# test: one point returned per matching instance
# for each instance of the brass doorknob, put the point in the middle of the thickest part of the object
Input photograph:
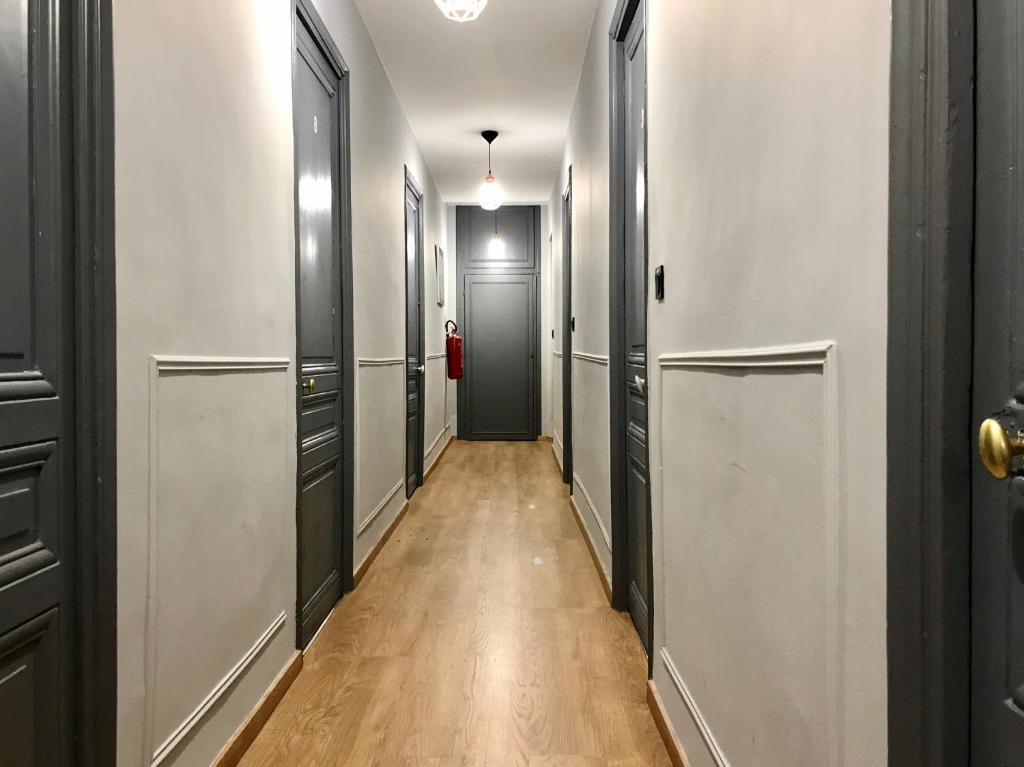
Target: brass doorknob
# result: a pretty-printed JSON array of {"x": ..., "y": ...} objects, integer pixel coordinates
[
  {"x": 998, "y": 448},
  {"x": 309, "y": 385}
]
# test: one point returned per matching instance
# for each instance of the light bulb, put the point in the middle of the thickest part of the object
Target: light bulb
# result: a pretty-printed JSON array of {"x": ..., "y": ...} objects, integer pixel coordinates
[
  {"x": 491, "y": 195},
  {"x": 496, "y": 248}
]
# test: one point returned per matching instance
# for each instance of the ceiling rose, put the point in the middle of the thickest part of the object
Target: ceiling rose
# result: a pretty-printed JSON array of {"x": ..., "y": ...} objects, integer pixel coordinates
[{"x": 461, "y": 10}]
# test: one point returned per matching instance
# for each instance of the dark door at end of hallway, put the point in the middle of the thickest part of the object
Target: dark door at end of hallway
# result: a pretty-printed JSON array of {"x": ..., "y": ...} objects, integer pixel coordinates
[
  {"x": 415, "y": 366},
  {"x": 318, "y": 121},
  {"x": 637, "y": 493},
  {"x": 997, "y": 515},
  {"x": 497, "y": 256}
]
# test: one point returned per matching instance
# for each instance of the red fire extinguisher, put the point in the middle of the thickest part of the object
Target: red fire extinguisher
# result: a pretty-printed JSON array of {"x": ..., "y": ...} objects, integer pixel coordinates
[{"x": 453, "y": 348}]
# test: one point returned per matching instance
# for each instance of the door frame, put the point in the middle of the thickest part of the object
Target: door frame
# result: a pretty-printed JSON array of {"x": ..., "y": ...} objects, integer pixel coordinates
[
  {"x": 622, "y": 19},
  {"x": 412, "y": 186},
  {"x": 462, "y": 258},
  {"x": 304, "y": 12},
  {"x": 567, "y": 331},
  {"x": 929, "y": 429},
  {"x": 92, "y": 140}
]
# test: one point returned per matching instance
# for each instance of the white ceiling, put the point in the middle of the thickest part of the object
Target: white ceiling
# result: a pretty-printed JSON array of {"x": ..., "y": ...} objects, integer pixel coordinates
[{"x": 515, "y": 69}]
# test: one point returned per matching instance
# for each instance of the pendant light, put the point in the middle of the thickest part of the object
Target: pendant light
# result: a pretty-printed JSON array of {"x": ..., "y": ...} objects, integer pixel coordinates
[
  {"x": 491, "y": 194},
  {"x": 461, "y": 10},
  {"x": 496, "y": 247}
]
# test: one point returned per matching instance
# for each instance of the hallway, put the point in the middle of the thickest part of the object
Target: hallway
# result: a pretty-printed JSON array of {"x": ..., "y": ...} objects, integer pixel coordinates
[{"x": 480, "y": 635}]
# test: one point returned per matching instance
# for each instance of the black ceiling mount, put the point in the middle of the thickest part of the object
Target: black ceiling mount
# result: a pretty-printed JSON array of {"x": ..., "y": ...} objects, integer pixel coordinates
[{"x": 489, "y": 135}]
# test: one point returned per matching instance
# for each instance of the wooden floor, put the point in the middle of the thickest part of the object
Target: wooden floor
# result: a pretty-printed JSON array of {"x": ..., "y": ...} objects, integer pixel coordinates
[{"x": 480, "y": 636}]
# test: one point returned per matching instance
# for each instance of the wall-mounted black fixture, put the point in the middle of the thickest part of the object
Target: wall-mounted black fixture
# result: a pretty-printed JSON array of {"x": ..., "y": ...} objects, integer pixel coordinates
[
  {"x": 659, "y": 283},
  {"x": 572, "y": 324}
]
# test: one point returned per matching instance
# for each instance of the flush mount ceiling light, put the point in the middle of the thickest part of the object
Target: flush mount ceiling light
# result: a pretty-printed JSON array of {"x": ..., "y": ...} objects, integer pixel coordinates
[
  {"x": 491, "y": 194},
  {"x": 461, "y": 10}
]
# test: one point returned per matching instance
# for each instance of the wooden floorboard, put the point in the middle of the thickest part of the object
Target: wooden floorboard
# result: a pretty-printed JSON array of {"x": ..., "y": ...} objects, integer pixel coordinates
[{"x": 480, "y": 635}]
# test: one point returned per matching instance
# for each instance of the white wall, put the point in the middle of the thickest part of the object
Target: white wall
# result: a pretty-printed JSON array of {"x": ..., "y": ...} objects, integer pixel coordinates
[
  {"x": 205, "y": 243},
  {"x": 767, "y": 204},
  {"x": 587, "y": 153}
]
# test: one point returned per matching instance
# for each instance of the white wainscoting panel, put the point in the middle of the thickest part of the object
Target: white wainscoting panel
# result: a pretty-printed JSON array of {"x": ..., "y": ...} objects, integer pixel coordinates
[
  {"x": 593, "y": 510},
  {"x": 221, "y": 506},
  {"x": 379, "y": 507},
  {"x": 380, "y": 445},
  {"x": 752, "y": 551}
]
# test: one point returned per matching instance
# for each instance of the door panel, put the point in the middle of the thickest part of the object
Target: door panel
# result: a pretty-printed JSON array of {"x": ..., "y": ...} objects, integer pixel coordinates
[
  {"x": 317, "y": 148},
  {"x": 997, "y": 580},
  {"x": 414, "y": 354},
  {"x": 567, "y": 331},
  {"x": 519, "y": 226},
  {"x": 37, "y": 416},
  {"x": 500, "y": 315},
  {"x": 635, "y": 311}
]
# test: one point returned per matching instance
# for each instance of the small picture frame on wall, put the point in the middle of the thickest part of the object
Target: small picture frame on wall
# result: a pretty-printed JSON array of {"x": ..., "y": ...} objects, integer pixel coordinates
[{"x": 439, "y": 270}]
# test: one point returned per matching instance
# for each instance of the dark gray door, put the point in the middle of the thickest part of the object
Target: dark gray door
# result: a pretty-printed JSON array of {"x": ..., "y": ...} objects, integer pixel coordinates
[
  {"x": 38, "y": 497},
  {"x": 635, "y": 316},
  {"x": 499, "y": 397},
  {"x": 500, "y": 325},
  {"x": 318, "y": 120},
  {"x": 567, "y": 330},
  {"x": 415, "y": 366},
  {"x": 997, "y": 582}
]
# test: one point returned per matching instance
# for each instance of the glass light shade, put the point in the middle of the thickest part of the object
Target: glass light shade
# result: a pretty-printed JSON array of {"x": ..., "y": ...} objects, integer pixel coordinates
[
  {"x": 496, "y": 248},
  {"x": 491, "y": 195},
  {"x": 461, "y": 10}
]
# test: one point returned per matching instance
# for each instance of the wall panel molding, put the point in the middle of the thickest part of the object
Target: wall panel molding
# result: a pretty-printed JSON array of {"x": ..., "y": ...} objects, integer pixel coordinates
[
  {"x": 160, "y": 366},
  {"x": 365, "y": 524},
  {"x": 698, "y": 718},
  {"x": 438, "y": 438},
  {"x": 597, "y": 359},
  {"x": 168, "y": 746},
  {"x": 593, "y": 510},
  {"x": 376, "y": 362},
  {"x": 556, "y": 353},
  {"x": 818, "y": 356},
  {"x": 438, "y": 356}
]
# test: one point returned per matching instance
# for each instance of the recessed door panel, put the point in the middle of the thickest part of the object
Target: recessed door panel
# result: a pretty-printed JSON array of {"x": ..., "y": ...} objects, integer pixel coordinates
[
  {"x": 29, "y": 684},
  {"x": 518, "y": 226}
]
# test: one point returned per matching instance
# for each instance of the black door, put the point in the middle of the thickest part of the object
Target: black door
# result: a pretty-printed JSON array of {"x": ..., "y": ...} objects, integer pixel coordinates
[
  {"x": 997, "y": 582},
  {"x": 567, "y": 330},
  {"x": 40, "y": 647},
  {"x": 634, "y": 314},
  {"x": 499, "y": 394},
  {"x": 415, "y": 366},
  {"x": 318, "y": 122}
]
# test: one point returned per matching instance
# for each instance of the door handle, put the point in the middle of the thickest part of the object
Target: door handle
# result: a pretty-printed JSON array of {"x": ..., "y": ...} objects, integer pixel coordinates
[
  {"x": 640, "y": 383},
  {"x": 999, "y": 445},
  {"x": 309, "y": 386},
  {"x": 421, "y": 369}
]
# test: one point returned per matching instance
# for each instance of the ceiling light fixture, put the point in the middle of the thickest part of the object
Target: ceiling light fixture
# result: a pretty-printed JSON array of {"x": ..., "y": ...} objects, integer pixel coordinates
[
  {"x": 461, "y": 10},
  {"x": 491, "y": 194}
]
